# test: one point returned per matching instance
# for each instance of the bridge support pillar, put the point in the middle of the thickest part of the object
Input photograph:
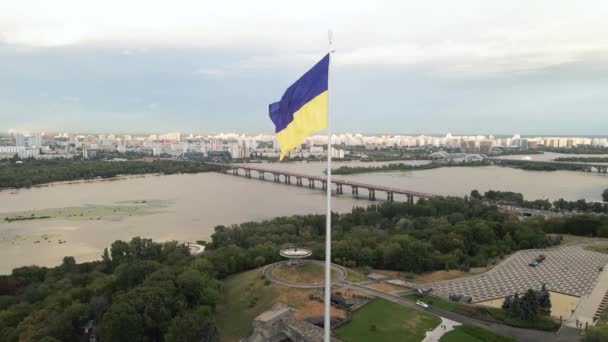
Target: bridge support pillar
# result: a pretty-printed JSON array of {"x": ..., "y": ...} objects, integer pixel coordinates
[
  {"x": 299, "y": 181},
  {"x": 339, "y": 189},
  {"x": 389, "y": 196},
  {"x": 287, "y": 179},
  {"x": 355, "y": 191},
  {"x": 247, "y": 173},
  {"x": 276, "y": 178},
  {"x": 372, "y": 194},
  {"x": 311, "y": 183},
  {"x": 410, "y": 199},
  {"x": 324, "y": 185},
  {"x": 261, "y": 175},
  {"x": 235, "y": 172}
]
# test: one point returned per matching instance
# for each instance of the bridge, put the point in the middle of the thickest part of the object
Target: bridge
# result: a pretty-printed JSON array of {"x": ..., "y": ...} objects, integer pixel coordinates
[
  {"x": 298, "y": 179},
  {"x": 577, "y": 166},
  {"x": 313, "y": 182}
]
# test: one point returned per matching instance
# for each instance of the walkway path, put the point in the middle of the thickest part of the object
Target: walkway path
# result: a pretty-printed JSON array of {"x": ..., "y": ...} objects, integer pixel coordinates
[
  {"x": 446, "y": 326},
  {"x": 590, "y": 303}
]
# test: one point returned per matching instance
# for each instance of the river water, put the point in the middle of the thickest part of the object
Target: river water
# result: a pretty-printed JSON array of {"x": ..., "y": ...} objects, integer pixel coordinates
[{"x": 192, "y": 205}]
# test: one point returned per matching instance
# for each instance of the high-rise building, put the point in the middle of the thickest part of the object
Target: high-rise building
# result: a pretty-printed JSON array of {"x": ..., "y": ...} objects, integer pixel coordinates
[
  {"x": 485, "y": 146},
  {"x": 19, "y": 139},
  {"x": 34, "y": 141}
]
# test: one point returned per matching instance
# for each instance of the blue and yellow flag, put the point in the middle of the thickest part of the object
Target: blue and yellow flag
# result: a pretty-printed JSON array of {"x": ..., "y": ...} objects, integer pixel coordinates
[{"x": 302, "y": 110}]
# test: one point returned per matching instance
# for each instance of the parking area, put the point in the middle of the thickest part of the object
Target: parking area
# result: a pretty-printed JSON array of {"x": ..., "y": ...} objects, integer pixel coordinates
[{"x": 568, "y": 269}]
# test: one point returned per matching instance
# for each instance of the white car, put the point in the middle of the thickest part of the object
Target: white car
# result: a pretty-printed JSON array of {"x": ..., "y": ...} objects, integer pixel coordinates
[{"x": 423, "y": 304}]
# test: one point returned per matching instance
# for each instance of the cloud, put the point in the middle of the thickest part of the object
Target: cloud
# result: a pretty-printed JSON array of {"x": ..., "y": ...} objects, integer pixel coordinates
[
  {"x": 70, "y": 99},
  {"x": 210, "y": 72}
]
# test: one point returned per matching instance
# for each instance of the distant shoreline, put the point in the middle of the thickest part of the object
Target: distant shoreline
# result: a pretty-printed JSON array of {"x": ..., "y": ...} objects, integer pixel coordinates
[{"x": 81, "y": 181}]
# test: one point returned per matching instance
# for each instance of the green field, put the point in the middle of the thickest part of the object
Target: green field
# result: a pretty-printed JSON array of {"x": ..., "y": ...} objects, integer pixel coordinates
[
  {"x": 308, "y": 273},
  {"x": 468, "y": 333},
  {"x": 492, "y": 315},
  {"x": 90, "y": 212},
  {"x": 382, "y": 320},
  {"x": 598, "y": 248},
  {"x": 245, "y": 296},
  {"x": 355, "y": 275}
]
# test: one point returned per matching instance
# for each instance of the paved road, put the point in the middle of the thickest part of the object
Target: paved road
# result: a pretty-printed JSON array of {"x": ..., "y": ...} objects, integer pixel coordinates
[{"x": 566, "y": 334}]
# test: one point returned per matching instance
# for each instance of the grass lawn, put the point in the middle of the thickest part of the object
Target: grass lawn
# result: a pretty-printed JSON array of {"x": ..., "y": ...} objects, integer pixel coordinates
[
  {"x": 245, "y": 296},
  {"x": 434, "y": 276},
  {"x": 384, "y": 321},
  {"x": 308, "y": 273},
  {"x": 429, "y": 277},
  {"x": 567, "y": 238},
  {"x": 387, "y": 287},
  {"x": 598, "y": 248},
  {"x": 355, "y": 276},
  {"x": 469, "y": 333},
  {"x": 492, "y": 315}
]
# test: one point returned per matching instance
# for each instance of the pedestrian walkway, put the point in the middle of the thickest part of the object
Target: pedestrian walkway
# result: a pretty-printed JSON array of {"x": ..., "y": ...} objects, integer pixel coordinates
[
  {"x": 588, "y": 306},
  {"x": 446, "y": 325}
]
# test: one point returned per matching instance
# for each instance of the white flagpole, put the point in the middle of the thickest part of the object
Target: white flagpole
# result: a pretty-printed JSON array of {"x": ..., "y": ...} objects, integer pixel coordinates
[{"x": 327, "y": 322}]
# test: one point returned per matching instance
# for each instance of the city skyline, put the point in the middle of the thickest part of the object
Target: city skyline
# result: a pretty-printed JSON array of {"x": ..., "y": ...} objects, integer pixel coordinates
[{"x": 518, "y": 68}]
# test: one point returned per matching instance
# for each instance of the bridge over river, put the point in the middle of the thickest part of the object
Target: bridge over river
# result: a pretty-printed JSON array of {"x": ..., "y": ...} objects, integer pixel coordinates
[{"x": 312, "y": 182}]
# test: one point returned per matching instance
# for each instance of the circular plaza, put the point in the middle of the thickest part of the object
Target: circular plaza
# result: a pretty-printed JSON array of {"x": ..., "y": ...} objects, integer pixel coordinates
[{"x": 300, "y": 273}]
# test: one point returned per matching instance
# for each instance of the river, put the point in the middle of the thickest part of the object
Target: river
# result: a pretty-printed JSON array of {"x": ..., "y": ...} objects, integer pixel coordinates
[{"x": 88, "y": 216}]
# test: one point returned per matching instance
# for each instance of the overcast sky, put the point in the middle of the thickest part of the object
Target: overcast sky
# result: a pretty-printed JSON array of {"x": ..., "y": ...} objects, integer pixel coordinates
[{"x": 519, "y": 66}]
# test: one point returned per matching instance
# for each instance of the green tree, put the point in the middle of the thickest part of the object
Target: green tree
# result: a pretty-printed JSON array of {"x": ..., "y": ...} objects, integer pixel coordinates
[
  {"x": 122, "y": 323},
  {"x": 529, "y": 305},
  {"x": 194, "y": 326},
  {"x": 596, "y": 334}
]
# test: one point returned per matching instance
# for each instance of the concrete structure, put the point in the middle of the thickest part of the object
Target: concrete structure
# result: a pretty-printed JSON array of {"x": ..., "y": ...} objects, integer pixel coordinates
[
  {"x": 279, "y": 324},
  {"x": 591, "y": 306},
  {"x": 569, "y": 270},
  {"x": 444, "y": 327},
  {"x": 195, "y": 248},
  {"x": 410, "y": 196},
  {"x": 297, "y": 178},
  {"x": 339, "y": 274},
  {"x": 295, "y": 255}
]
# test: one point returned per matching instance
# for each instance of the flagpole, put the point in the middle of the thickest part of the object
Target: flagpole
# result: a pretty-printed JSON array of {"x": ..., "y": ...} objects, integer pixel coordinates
[{"x": 327, "y": 322}]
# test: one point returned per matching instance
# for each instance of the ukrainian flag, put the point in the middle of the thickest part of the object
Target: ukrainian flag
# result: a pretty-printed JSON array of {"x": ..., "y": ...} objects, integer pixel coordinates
[{"x": 302, "y": 109}]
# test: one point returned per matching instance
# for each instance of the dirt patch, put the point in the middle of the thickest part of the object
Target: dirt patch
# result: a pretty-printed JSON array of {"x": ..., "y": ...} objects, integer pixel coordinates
[
  {"x": 386, "y": 287},
  {"x": 566, "y": 238},
  {"x": 296, "y": 298},
  {"x": 316, "y": 309},
  {"x": 434, "y": 276},
  {"x": 348, "y": 293}
]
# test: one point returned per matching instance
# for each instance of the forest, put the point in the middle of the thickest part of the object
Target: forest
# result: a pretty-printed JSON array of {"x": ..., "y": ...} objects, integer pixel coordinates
[
  {"x": 148, "y": 291},
  {"x": 582, "y": 149},
  {"x": 432, "y": 234},
  {"x": 139, "y": 291},
  {"x": 583, "y": 159},
  {"x": 349, "y": 170},
  {"x": 517, "y": 199},
  {"x": 35, "y": 172}
]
